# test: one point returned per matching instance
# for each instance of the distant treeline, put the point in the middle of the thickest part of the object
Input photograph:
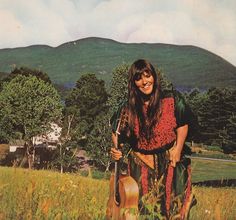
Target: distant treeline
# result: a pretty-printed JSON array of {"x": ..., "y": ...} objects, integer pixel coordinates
[{"x": 215, "y": 112}]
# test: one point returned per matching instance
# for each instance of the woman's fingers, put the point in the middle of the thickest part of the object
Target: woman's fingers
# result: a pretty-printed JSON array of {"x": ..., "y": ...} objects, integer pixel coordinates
[
  {"x": 116, "y": 154},
  {"x": 173, "y": 163},
  {"x": 174, "y": 156}
]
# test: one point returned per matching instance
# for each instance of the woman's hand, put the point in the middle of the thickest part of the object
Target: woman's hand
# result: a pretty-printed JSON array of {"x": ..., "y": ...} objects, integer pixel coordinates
[
  {"x": 175, "y": 154},
  {"x": 115, "y": 154},
  {"x": 175, "y": 151}
]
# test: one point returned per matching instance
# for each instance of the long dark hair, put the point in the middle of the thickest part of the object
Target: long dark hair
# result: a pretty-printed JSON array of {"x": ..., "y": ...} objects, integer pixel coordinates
[{"x": 136, "y": 99}]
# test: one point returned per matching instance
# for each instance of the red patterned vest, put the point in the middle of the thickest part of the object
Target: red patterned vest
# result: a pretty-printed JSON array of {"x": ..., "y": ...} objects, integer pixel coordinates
[{"x": 164, "y": 131}]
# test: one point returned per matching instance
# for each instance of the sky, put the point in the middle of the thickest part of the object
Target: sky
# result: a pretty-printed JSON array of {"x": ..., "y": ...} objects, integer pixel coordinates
[{"x": 209, "y": 24}]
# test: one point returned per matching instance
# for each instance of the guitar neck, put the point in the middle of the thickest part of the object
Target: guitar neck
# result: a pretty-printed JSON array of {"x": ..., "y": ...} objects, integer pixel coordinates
[
  {"x": 121, "y": 124},
  {"x": 116, "y": 178}
]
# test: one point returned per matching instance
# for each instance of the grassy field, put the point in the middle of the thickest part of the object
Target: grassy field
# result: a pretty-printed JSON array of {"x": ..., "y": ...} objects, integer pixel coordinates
[
  {"x": 204, "y": 170},
  {"x": 26, "y": 194},
  {"x": 33, "y": 194},
  {"x": 214, "y": 204}
]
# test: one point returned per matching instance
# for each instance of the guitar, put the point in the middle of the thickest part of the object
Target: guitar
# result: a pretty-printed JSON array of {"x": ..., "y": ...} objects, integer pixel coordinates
[{"x": 124, "y": 193}]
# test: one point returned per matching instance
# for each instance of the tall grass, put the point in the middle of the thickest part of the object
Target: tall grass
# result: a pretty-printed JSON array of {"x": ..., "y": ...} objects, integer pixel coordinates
[
  {"x": 31, "y": 194},
  {"x": 214, "y": 204},
  {"x": 26, "y": 194}
]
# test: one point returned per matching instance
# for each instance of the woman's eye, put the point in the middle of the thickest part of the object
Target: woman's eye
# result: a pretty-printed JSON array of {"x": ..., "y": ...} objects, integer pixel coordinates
[
  {"x": 147, "y": 75},
  {"x": 137, "y": 77}
]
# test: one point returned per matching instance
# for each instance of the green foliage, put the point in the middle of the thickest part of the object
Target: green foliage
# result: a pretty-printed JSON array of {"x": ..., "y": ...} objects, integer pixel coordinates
[
  {"x": 229, "y": 136},
  {"x": 62, "y": 90},
  {"x": 64, "y": 158},
  {"x": 119, "y": 87},
  {"x": 215, "y": 111},
  {"x": 86, "y": 121},
  {"x": 25, "y": 71},
  {"x": 90, "y": 96},
  {"x": 214, "y": 114},
  {"x": 99, "y": 142},
  {"x": 85, "y": 102},
  {"x": 3, "y": 75},
  {"x": 27, "y": 106},
  {"x": 95, "y": 174},
  {"x": 185, "y": 66}
]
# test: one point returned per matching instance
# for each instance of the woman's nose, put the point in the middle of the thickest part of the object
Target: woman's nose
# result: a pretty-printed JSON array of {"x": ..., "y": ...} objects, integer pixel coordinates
[{"x": 144, "y": 79}]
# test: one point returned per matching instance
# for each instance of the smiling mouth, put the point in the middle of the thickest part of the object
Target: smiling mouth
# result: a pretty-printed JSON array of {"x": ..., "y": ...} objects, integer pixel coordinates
[{"x": 147, "y": 86}]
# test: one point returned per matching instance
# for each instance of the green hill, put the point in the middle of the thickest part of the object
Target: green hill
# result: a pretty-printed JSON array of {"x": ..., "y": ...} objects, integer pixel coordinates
[
  {"x": 3, "y": 75},
  {"x": 185, "y": 66}
]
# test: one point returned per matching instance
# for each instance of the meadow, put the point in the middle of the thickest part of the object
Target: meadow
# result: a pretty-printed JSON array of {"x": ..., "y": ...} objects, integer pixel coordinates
[
  {"x": 41, "y": 194},
  {"x": 206, "y": 170}
]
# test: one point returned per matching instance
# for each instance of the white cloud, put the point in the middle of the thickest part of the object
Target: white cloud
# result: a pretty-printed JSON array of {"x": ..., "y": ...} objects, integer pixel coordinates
[
  {"x": 34, "y": 23},
  {"x": 209, "y": 24},
  {"x": 9, "y": 29}
]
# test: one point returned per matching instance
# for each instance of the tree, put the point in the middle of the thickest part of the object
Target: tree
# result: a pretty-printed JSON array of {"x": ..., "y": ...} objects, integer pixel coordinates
[
  {"x": 99, "y": 138},
  {"x": 119, "y": 87},
  {"x": 196, "y": 100},
  {"x": 86, "y": 101},
  {"x": 229, "y": 136},
  {"x": 27, "y": 107},
  {"x": 64, "y": 157},
  {"x": 25, "y": 71},
  {"x": 228, "y": 133},
  {"x": 99, "y": 142},
  {"x": 214, "y": 109}
]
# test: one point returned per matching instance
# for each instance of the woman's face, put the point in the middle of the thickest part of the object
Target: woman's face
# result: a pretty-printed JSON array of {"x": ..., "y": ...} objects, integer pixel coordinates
[{"x": 145, "y": 83}]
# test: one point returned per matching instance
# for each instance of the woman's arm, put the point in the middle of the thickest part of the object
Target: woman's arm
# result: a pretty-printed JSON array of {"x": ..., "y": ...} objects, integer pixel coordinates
[{"x": 175, "y": 151}]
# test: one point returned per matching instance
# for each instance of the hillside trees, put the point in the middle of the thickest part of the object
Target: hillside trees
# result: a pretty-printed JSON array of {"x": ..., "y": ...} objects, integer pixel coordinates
[
  {"x": 100, "y": 135},
  {"x": 25, "y": 71},
  {"x": 215, "y": 110},
  {"x": 119, "y": 87},
  {"x": 85, "y": 115},
  {"x": 228, "y": 135},
  {"x": 89, "y": 109},
  {"x": 196, "y": 100},
  {"x": 99, "y": 142},
  {"x": 27, "y": 107},
  {"x": 86, "y": 101}
]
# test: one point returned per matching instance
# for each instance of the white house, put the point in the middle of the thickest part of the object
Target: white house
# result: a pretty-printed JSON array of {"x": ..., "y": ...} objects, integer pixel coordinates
[
  {"x": 16, "y": 144},
  {"x": 50, "y": 139}
]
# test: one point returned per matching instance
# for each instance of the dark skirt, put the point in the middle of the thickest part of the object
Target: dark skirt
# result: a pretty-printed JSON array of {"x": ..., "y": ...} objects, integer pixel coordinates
[{"x": 165, "y": 191}]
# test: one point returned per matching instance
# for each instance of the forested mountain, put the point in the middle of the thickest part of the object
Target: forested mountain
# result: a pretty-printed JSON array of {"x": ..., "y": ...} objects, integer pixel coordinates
[
  {"x": 185, "y": 66},
  {"x": 3, "y": 75}
]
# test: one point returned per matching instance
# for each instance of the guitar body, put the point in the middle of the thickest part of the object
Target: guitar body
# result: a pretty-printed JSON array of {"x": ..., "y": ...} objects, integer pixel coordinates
[
  {"x": 127, "y": 209},
  {"x": 124, "y": 192}
]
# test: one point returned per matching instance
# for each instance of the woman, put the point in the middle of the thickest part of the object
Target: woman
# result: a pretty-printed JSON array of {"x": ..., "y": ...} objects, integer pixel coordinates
[{"x": 157, "y": 127}]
